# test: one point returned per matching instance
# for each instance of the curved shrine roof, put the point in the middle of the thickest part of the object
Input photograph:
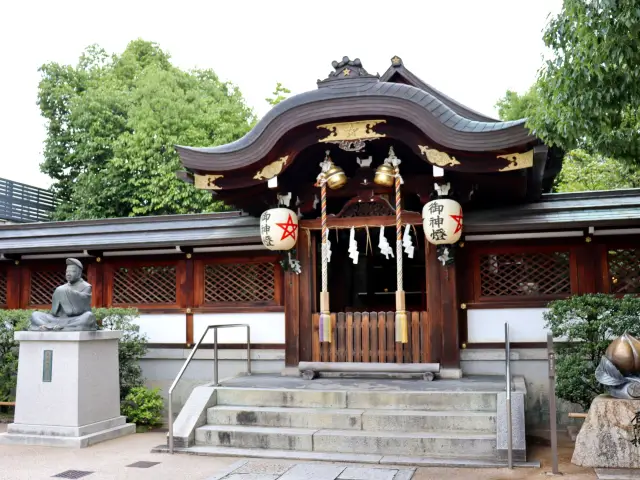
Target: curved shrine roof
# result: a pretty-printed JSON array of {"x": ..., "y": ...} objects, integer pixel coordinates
[{"x": 350, "y": 91}]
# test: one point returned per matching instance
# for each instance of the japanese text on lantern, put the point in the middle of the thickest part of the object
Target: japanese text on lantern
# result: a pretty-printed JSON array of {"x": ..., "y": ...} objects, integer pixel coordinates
[
  {"x": 436, "y": 221},
  {"x": 265, "y": 229}
]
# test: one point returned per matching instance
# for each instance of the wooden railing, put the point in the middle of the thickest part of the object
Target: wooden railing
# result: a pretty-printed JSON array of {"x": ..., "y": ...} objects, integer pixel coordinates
[{"x": 370, "y": 337}]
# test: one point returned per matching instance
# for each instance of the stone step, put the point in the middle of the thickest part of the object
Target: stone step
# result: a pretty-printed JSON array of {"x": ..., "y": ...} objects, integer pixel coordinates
[
  {"x": 428, "y": 421},
  {"x": 353, "y": 419},
  {"x": 300, "y": 439},
  {"x": 359, "y": 399},
  {"x": 288, "y": 417},
  {"x": 447, "y": 444},
  {"x": 458, "y": 444},
  {"x": 432, "y": 461}
]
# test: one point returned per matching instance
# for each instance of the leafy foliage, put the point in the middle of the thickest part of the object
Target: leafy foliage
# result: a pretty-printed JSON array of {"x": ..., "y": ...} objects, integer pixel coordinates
[
  {"x": 279, "y": 94},
  {"x": 132, "y": 346},
  {"x": 113, "y": 121},
  {"x": 143, "y": 406},
  {"x": 514, "y": 106},
  {"x": 587, "y": 325},
  {"x": 589, "y": 90},
  {"x": 581, "y": 171},
  {"x": 11, "y": 321}
]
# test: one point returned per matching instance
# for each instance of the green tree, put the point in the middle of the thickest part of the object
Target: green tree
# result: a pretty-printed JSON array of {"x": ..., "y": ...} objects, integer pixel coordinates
[
  {"x": 581, "y": 171},
  {"x": 589, "y": 89},
  {"x": 514, "y": 106},
  {"x": 279, "y": 94},
  {"x": 113, "y": 121}
]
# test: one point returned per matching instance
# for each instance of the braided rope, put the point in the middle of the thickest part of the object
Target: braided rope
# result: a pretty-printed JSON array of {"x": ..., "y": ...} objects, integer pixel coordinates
[
  {"x": 323, "y": 216},
  {"x": 398, "y": 232}
]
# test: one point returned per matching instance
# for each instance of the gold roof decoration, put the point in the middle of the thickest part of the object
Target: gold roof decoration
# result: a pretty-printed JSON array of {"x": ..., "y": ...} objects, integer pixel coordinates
[
  {"x": 271, "y": 170},
  {"x": 206, "y": 182},
  {"x": 349, "y": 131},
  {"x": 436, "y": 157},
  {"x": 517, "y": 161}
]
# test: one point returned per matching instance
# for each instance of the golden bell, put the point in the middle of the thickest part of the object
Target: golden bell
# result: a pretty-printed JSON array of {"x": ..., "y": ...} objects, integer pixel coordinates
[
  {"x": 385, "y": 175},
  {"x": 624, "y": 354},
  {"x": 336, "y": 177}
]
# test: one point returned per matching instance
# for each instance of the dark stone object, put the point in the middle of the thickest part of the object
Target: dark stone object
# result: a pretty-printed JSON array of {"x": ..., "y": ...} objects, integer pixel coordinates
[{"x": 70, "y": 306}]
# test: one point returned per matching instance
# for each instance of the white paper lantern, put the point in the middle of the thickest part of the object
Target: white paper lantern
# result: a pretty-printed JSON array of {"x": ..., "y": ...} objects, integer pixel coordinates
[
  {"x": 279, "y": 229},
  {"x": 442, "y": 221}
]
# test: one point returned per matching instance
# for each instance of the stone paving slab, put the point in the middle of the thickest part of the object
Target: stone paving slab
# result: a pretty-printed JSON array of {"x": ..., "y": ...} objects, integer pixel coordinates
[
  {"x": 282, "y": 470},
  {"x": 358, "y": 473},
  {"x": 617, "y": 473}
]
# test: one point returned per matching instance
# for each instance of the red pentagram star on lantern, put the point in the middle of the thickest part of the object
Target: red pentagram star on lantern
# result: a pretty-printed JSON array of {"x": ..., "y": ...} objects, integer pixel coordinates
[
  {"x": 288, "y": 229},
  {"x": 458, "y": 220}
]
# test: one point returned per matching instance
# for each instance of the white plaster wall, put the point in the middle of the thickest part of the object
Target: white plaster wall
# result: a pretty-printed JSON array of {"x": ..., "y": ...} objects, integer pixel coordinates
[
  {"x": 265, "y": 327},
  {"x": 487, "y": 325},
  {"x": 163, "y": 328}
]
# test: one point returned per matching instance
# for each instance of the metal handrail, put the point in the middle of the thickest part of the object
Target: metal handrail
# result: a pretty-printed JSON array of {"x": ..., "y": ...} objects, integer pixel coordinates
[
  {"x": 507, "y": 352},
  {"x": 215, "y": 366}
]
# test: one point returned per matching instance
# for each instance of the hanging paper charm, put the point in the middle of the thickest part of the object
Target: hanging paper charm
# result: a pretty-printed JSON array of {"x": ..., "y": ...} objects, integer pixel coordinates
[
  {"x": 384, "y": 246},
  {"x": 442, "y": 221},
  {"x": 353, "y": 246},
  {"x": 407, "y": 243},
  {"x": 279, "y": 229}
]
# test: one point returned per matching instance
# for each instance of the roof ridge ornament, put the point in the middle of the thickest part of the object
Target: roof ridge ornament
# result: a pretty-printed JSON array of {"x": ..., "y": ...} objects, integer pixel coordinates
[{"x": 348, "y": 69}]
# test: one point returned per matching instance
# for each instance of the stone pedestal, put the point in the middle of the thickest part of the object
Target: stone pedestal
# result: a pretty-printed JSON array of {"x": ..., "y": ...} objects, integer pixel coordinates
[
  {"x": 605, "y": 438},
  {"x": 68, "y": 390}
]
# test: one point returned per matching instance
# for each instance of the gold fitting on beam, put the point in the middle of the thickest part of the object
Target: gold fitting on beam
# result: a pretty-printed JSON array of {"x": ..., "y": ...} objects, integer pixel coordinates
[
  {"x": 464, "y": 345},
  {"x": 17, "y": 262},
  {"x": 98, "y": 259},
  {"x": 587, "y": 239},
  {"x": 463, "y": 306},
  {"x": 461, "y": 244},
  {"x": 188, "y": 310},
  {"x": 188, "y": 255}
]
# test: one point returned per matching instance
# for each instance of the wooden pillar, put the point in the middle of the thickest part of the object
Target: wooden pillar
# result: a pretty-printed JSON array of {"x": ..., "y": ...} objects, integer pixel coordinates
[
  {"x": 95, "y": 276},
  {"x": 306, "y": 255},
  {"x": 187, "y": 294},
  {"x": 291, "y": 319},
  {"x": 299, "y": 303},
  {"x": 14, "y": 285},
  {"x": 442, "y": 308}
]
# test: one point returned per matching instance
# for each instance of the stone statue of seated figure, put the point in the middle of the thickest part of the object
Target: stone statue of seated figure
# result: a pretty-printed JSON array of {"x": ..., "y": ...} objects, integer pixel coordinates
[{"x": 70, "y": 306}]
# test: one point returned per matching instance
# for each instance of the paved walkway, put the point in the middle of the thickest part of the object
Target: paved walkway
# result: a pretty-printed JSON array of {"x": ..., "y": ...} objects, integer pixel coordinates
[{"x": 129, "y": 458}]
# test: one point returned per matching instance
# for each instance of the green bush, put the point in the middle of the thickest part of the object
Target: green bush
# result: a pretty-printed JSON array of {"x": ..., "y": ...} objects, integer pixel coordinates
[
  {"x": 586, "y": 325},
  {"x": 143, "y": 406},
  {"x": 11, "y": 321},
  {"x": 132, "y": 348},
  {"x": 133, "y": 344}
]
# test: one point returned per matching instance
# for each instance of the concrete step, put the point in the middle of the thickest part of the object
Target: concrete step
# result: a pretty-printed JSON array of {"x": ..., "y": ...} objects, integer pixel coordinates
[
  {"x": 255, "y": 437},
  {"x": 344, "y": 457},
  {"x": 353, "y": 419},
  {"x": 428, "y": 421},
  {"x": 458, "y": 444},
  {"x": 288, "y": 417},
  {"x": 359, "y": 399},
  {"x": 441, "y": 444}
]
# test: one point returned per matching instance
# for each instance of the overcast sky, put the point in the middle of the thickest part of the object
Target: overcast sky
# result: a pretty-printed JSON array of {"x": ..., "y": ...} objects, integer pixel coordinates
[{"x": 471, "y": 50}]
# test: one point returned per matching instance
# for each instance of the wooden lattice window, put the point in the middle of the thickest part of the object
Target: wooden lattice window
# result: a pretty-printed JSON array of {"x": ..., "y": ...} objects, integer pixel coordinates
[
  {"x": 3, "y": 287},
  {"x": 624, "y": 270},
  {"x": 239, "y": 283},
  {"x": 525, "y": 274},
  {"x": 144, "y": 285},
  {"x": 44, "y": 282}
]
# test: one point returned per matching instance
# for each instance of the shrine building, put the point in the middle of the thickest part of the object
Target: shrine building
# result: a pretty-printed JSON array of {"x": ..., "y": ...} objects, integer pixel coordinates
[{"x": 377, "y": 221}]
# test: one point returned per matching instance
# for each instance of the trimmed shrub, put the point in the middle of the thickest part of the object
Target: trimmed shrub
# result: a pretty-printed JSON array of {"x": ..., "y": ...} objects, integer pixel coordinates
[{"x": 585, "y": 325}]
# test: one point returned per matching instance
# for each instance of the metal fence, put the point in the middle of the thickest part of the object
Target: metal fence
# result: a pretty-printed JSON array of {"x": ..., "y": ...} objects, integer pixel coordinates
[{"x": 23, "y": 203}]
